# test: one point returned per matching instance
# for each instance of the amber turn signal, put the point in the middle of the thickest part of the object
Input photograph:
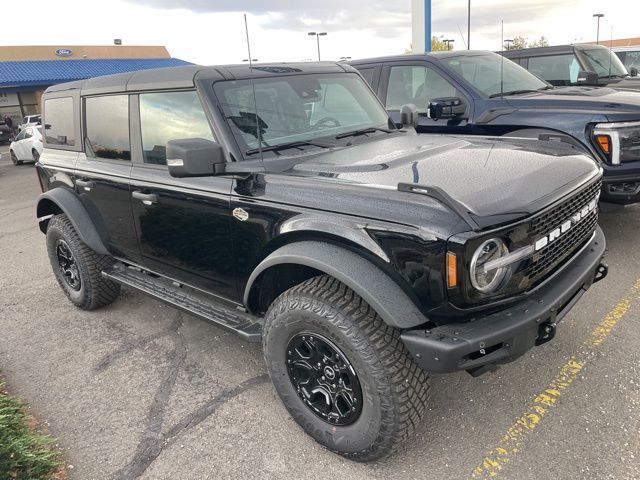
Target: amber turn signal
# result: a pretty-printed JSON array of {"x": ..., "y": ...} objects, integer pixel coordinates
[
  {"x": 604, "y": 141},
  {"x": 452, "y": 270}
]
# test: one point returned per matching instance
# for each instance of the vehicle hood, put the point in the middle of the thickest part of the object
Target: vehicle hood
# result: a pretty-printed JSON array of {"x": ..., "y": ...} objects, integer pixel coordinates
[
  {"x": 614, "y": 104},
  {"x": 495, "y": 180}
]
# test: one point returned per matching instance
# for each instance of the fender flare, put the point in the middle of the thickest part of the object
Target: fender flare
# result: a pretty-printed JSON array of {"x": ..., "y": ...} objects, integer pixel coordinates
[
  {"x": 380, "y": 291},
  {"x": 72, "y": 207}
]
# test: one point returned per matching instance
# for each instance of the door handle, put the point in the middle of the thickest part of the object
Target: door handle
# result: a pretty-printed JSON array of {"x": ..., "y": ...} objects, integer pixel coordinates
[
  {"x": 147, "y": 198},
  {"x": 86, "y": 184}
]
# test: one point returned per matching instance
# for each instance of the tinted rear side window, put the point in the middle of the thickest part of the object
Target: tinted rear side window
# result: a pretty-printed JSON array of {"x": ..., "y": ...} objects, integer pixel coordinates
[
  {"x": 170, "y": 116},
  {"x": 107, "y": 123},
  {"x": 367, "y": 74},
  {"x": 59, "y": 124}
]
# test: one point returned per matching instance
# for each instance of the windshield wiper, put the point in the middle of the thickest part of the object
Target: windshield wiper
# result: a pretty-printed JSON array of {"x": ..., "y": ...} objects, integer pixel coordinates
[
  {"x": 512, "y": 92},
  {"x": 363, "y": 131},
  {"x": 285, "y": 146}
]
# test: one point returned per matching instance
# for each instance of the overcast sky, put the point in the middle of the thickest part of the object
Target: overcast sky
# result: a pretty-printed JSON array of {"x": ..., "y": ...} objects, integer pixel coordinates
[{"x": 212, "y": 31}]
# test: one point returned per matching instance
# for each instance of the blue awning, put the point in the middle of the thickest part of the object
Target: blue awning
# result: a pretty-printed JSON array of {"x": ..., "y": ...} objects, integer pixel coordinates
[{"x": 49, "y": 72}]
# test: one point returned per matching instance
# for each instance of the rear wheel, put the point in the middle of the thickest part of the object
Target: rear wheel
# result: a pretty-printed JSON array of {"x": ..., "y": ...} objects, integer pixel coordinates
[
  {"x": 341, "y": 372},
  {"x": 77, "y": 268},
  {"x": 14, "y": 159},
  {"x": 35, "y": 155}
]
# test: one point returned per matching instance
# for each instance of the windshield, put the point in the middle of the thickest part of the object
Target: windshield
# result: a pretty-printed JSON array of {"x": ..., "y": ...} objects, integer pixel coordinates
[
  {"x": 484, "y": 73},
  {"x": 298, "y": 108},
  {"x": 604, "y": 62}
]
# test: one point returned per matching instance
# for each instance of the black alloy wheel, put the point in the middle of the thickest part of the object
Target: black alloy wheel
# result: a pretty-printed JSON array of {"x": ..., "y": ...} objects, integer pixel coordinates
[
  {"x": 35, "y": 155},
  {"x": 68, "y": 265},
  {"x": 324, "y": 379}
]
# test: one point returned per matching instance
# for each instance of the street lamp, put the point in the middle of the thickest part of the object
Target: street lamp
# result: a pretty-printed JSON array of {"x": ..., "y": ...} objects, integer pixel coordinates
[
  {"x": 252, "y": 60},
  {"x": 345, "y": 59},
  {"x": 508, "y": 42},
  {"x": 448, "y": 42},
  {"x": 598, "y": 16},
  {"x": 318, "y": 35}
]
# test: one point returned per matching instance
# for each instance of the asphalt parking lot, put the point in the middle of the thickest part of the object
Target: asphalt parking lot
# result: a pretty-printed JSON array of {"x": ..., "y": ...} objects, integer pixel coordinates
[{"x": 139, "y": 390}]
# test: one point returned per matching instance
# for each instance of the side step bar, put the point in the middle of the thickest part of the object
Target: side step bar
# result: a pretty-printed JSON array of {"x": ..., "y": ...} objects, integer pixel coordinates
[{"x": 188, "y": 300}]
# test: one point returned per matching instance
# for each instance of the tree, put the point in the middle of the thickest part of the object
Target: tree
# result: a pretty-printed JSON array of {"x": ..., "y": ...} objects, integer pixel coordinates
[
  {"x": 437, "y": 45},
  {"x": 519, "y": 42}
]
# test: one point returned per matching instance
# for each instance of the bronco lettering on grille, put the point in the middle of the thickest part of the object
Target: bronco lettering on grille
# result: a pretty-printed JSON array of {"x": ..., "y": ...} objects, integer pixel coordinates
[{"x": 576, "y": 218}]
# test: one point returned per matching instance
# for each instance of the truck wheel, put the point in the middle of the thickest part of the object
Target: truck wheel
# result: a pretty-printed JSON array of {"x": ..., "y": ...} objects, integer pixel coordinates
[
  {"x": 341, "y": 372},
  {"x": 77, "y": 268},
  {"x": 35, "y": 155}
]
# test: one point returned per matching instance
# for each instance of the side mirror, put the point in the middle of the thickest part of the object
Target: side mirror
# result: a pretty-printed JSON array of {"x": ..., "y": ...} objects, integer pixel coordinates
[
  {"x": 633, "y": 71},
  {"x": 194, "y": 157},
  {"x": 445, "y": 108},
  {"x": 587, "y": 78},
  {"x": 409, "y": 115}
]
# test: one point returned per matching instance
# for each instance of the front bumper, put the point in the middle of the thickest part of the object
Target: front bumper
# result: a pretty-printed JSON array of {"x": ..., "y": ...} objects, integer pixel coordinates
[
  {"x": 621, "y": 184},
  {"x": 504, "y": 336}
]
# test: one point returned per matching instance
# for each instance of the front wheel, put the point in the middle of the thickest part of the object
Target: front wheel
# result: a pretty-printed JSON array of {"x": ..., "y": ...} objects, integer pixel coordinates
[
  {"x": 14, "y": 159},
  {"x": 341, "y": 372},
  {"x": 35, "y": 155},
  {"x": 77, "y": 268}
]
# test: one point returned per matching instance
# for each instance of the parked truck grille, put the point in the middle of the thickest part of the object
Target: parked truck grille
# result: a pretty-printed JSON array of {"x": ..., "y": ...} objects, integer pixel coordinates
[{"x": 556, "y": 253}]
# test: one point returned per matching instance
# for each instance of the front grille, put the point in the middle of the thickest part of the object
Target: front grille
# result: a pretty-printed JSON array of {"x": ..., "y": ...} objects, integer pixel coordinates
[{"x": 556, "y": 253}]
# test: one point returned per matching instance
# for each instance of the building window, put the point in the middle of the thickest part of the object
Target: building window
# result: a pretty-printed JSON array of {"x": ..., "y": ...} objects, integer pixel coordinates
[
  {"x": 107, "y": 124},
  {"x": 59, "y": 122},
  {"x": 170, "y": 116}
]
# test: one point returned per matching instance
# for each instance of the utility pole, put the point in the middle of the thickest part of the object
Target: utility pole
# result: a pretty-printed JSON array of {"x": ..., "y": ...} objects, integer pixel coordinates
[{"x": 469, "y": 25}]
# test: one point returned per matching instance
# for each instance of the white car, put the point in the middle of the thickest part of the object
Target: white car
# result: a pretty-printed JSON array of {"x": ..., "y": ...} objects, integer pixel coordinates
[
  {"x": 30, "y": 121},
  {"x": 27, "y": 146}
]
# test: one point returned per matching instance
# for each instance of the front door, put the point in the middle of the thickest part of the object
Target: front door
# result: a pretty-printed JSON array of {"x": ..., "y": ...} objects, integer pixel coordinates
[
  {"x": 183, "y": 224},
  {"x": 419, "y": 83}
]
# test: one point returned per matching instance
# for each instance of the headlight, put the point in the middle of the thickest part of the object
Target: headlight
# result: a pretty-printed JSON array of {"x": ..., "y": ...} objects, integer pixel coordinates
[
  {"x": 487, "y": 282},
  {"x": 620, "y": 142}
]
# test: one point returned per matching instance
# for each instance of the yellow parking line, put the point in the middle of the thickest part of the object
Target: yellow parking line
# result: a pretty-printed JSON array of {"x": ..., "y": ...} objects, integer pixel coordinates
[{"x": 511, "y": 441}]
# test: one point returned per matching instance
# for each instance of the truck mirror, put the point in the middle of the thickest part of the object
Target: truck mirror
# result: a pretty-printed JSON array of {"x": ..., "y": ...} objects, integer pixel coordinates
[
  {"x": 409, "y": 115},
  {"x": 445, "y": 108},
  {"x": 633, "y": 71},
  {"x": 587, "y": 78},
  {"x": 194, "y": 157}
]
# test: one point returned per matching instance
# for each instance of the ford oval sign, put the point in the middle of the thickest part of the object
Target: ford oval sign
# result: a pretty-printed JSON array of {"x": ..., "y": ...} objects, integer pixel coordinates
[{"x": 64, "y": 52}]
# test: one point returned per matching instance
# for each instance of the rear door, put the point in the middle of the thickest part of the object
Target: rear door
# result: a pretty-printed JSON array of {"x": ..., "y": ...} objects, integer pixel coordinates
[
  {"x": 419, "y": 82},
  {"x": 103, "y": 170},
  {"x": 18, "y": 146},
  {"x": 183, "y": 224}
]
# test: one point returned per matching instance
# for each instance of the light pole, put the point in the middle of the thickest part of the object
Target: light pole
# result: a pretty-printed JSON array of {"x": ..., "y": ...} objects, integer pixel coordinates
[
  {"x": 598, "y": 16},
  {"x": 508, "y": 42},
  {"x": 246, "y": 59},
  {"x": 318, "y": 35},
  {"x": 345, "y": 59},
  {"x": 448, "y": 42},
  {"x": 469, "y": 25}
]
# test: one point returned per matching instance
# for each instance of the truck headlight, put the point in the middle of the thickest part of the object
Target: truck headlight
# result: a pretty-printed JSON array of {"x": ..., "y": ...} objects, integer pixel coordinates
[
  {"x": 619, "y": 142},
  {"x": 487, "y": 281}
]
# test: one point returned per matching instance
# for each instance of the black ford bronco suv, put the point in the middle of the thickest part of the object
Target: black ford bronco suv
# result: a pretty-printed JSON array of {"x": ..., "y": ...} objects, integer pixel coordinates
[{"x": 280, "y": 202}]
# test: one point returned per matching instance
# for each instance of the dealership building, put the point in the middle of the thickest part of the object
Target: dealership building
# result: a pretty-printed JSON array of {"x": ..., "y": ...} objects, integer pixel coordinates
[{"x": 26, "y": 71}]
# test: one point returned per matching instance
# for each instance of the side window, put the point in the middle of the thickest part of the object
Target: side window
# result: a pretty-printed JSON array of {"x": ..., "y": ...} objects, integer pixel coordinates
[
  {"x": 107, "y": 127},
  {"x": 367, "y": 74},
  {"x": 170, "y": 116},
  {"x": 20, "y": 136},
  {"x": 417, "y": 85},
  {"x": 559, "y": 70},
  {"x": 631, "y": 59},
  {"x": 28, "y": 132},
  {"x": 59, "y": 121}
]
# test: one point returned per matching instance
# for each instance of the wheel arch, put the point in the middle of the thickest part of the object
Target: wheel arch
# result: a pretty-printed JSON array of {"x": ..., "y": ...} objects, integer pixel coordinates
[
  {"x": 63, "y": 201},
  {"x": 296, "y": 262}
]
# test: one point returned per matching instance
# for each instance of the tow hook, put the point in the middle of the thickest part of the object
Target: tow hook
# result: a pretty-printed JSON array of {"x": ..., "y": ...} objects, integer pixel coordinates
[
  {"x": 601, "y": 272},
  {"x": 546, "y": 332}
]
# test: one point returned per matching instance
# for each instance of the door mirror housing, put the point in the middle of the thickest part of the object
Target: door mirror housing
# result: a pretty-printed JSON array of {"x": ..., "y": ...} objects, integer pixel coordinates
[
  {"x": 446, "y": 108},
  {"x": 194, "y": 157},
  {"x": 587, "y": 78},
  {"x": 633, "y": 71}
]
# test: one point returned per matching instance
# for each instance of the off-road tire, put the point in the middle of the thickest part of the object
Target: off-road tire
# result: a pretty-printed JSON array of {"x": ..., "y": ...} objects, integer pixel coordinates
[
  {"x": 14, "y": 159},
  {"x": 395, "y": 390},
  {"x": 95, "y": 291}
]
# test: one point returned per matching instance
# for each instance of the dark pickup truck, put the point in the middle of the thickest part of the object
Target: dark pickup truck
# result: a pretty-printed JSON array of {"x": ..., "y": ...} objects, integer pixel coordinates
[
  {"x": 281, "y": 203},
  {"x": 480, "y": 93},
  {"x": 582, "y": 65}
]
